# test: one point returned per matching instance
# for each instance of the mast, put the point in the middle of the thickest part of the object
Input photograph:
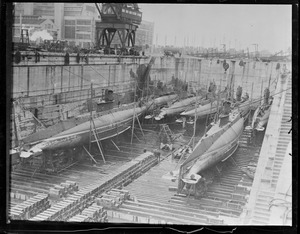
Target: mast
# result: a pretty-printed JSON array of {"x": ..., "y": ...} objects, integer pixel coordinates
[
  {"x": 218, "y": 101},
  {"x": 231, "y": 83},
  {"x": 196, "y": 106},
  {"x": 270, "y": 76},
  {"x": 16, "y": 125},
  {"x": 194, "y": 133},
  {"x": 208, "y": 115},
  {"x": 133, "y": 112},
  {"x": 250, "y": 104},
  {"x": 261, "y": 91},
  {"x": 91, "y": 110}
]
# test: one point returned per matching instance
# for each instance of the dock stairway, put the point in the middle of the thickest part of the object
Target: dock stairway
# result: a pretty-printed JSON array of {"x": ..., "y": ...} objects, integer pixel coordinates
[{"x": 261, "y": 210}]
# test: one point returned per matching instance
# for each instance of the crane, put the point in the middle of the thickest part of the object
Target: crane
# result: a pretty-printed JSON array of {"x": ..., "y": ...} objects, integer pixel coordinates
[{"x": 117, "y": 18}]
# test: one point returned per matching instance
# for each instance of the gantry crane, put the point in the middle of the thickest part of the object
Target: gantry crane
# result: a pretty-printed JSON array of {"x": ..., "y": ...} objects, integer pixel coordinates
[{"x": 120, "y": 18}]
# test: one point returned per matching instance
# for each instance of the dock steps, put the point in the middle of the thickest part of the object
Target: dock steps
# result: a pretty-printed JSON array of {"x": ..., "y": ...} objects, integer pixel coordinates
[
  {"x": 66, "y": 209},
  {"x": 226, "y": 196}
]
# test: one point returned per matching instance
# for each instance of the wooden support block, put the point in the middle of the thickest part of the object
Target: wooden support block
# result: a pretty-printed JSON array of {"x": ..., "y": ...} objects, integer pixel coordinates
[
  {"x": 61, "y": 190},
  {"x": 24, "y": 207},
  {"x": 172, "y": 189},
  {"x": 89, "y": 213},
  {"x": 98, "y": 207},
  {"x": 55, "y": 195},
  {"x": 105, "y": 202},
  {"x": 22, "y": 197},
  {"x": 115, "y": 198},
  {"x": 15, "y": 215},
  {"x": 125, "y": 192}
]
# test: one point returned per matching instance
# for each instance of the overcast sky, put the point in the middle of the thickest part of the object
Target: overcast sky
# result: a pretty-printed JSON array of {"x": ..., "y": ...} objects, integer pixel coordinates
[{"x": 207, "y": 25}]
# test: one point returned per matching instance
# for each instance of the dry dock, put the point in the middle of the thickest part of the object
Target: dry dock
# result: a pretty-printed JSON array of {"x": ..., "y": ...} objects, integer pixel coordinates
[
  {"x": 133, "y": 186},
  {"x": 157, "y": 202}
]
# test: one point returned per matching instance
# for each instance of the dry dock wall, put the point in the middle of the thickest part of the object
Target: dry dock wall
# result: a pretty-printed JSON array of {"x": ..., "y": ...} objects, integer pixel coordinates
[
  {"x": 199, "y": 72},
  {"x": 50, "y": 81}
]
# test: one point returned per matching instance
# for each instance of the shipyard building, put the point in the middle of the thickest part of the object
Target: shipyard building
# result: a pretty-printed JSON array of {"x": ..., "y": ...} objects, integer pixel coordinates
[{"x": 74, "y": 22}]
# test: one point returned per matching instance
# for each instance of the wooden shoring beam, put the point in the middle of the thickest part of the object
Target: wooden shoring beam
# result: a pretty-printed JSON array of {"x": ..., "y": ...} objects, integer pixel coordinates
[
  {"x": 97, "y": 140},
  {"x": 234, "y": 162},
  {"x": 133, "y": 112},
  {"x": 115, "y": 145},
  {"x": 89, "y": 154},
  {"x": 72, "y": 164},
  {"x": 137, "y": 137},
  {"x": 132, "y": 131},
  {"x": 141, "y": 127},
  {"x": 218, "y": 170}
]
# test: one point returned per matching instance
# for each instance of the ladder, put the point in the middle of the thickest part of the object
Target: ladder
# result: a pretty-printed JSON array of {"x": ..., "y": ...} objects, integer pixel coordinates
[{"x": 164, "y": 129}]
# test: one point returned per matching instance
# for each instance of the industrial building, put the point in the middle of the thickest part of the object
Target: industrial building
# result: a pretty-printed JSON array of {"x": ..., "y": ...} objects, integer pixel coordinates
[{"x": 74, "y": 22}]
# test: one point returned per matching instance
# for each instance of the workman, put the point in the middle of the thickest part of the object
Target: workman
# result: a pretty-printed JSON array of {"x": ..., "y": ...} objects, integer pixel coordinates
[
  {"x": 37, "y": 56},
  {"x": 18, "y": 56},
  {"x": 67, "y": 58},
  {"x": 157, "y": 154}
]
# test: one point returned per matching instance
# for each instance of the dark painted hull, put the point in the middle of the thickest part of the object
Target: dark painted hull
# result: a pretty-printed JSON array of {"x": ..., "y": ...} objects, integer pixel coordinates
[
  {"x": 102, "y": 133},
  {"x": 177, "y": 108},
  {"x": 263, "y": 120},
  {"x": 202, "y": 110},
  {"x": 222, "y": 148},
  {"x": 104, "y": 127},
  {"x": 217, "y": 145}
]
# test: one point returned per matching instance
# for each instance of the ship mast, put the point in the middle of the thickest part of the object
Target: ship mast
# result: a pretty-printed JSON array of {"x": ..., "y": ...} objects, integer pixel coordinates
[
  {"x": 91, "y": 110},
  {"x": 133, "y": 111},
  {"x": 195, "y": 121},
  {"x": 218, "y": 101},
  {"x": 270, "y": 76},
  {"x": 195, "y": 125},
  {"x": 250, "y": 104}
]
